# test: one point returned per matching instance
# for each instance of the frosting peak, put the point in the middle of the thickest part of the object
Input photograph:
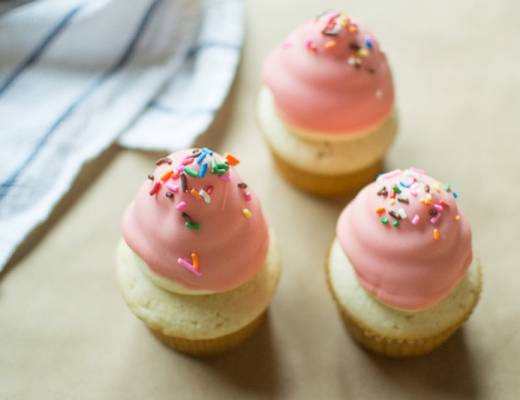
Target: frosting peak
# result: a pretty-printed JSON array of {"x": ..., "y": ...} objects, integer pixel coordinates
[
  {"x": 196, "y": 223},
  {"x": 331, "y": 76},
  {"x": 406, "y": 238}
]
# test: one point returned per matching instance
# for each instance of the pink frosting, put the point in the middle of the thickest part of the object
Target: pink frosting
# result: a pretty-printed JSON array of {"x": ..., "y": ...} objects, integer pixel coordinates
[
  {"x": 409, "y": 266},
  {"x": 231, "y": 244},
  {"x": 330, "y": 83}
]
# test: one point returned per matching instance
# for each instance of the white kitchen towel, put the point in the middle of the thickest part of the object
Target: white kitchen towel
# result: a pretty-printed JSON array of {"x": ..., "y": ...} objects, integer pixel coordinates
[{"x": 76, "y": 75}]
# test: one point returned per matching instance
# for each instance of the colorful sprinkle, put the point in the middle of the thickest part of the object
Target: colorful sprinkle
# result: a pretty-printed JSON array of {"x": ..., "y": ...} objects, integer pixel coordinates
[
  {"x": 204, "y": 195},
  {"x": 310, "y": 45},
  {"x": 363, "y": 52},
  {"x": 444, "y": 203},
  {"x": 394, "y": 214},
  {"x": 169, "y": 195},
  {"x": 201, "y": 157},
  {"x": 166, "y": 175},
  {"x": 380, "y": 210},
  {"x": 209, "y": 190},
  {"x": 417, "y": 170},
  {"x": 403, "y": 200},
  {"x": 416, "y": 219},
  {"x": 438, "y": 207},
  {"x": 382, "y": 191},
  {"x": 384, "y": 220},
  {"x": 151, "y": 177},
  {"x": 396, "y": 189},
  {"x": 192, "y": 225},
  {"x": 213, "y": 165},
  {"x": 156, "y": 187},
  {"x": 187, "y": 161},
  {"x": 436, "y": 234},
  {"x": 224, "y": 166},
  {"x": 401, "y": 213},
  {"x": 242, "y": 185},
  {"x": 188, "y": 266},
  {"x": 455, "y": 194},
  {"x": 224, "y": 178},
  {"x": 435, "y": 218},
  {"x": 181, "y": 205},
  {"x": 433, "y": 212},
  {"x": 184, "y": 183},
  {"x": 172, "y": 187},
  {"x": 247, "y": 196},
  {"x": 427, "y": 188},
  {"x": 457, "y": 218},
  {"x": 195, "y": 194},
  {"x": 436, "y": 187},
  {"x": 415, "y": 175},
  {"x": 207, "y": 151},
  {"x": 413, "y": 193},
  {"x": 330, "y": 44},
  {"x": 163, "y": 161},
  {"x": 195, "y": 260},
  {"x": 396, "y": 223},
  {"x": 187, "y": 218},
  {"x": 392, "y": 202},
  {"x": 403, "y": 184},
  {"x": 203, "y": 170},
  {"x": 191, "y": 172},
  {"x": 447, "y": 187},
  {"x": 246, "y": 213},
  {"x": 231, "y": 159}
]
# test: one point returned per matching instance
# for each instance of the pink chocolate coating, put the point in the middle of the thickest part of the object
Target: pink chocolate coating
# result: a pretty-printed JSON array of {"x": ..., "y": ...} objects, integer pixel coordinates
[
  {"x": 231, "y": 248},
  {"x": 404, "y": 266},
  {"x": 320, "y": 88}
]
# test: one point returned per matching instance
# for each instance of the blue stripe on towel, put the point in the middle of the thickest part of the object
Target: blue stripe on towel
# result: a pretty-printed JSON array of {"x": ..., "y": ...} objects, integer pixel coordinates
[
  {"x": 4, "y": 187},
  {"x": 40, "y": 49},
  {"x": 161, "y": 107},
  {"x": 205, "y": 45}
]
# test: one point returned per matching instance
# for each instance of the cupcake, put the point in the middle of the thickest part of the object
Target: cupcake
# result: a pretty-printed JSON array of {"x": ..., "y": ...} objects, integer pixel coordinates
[
  {"x": 197, "y": 262},
  {"x": 401, "y": 267},
  {"x": 326, "y": 107}
]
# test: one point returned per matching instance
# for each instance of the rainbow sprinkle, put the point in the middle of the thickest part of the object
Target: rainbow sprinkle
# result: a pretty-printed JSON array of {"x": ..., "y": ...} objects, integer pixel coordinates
[
  {"x": 155, "y": 188},
  {"x": 191, "y": 172},
  {"x": 188, "y": 266},
  {"x": 166, "y": 175},
  {"x": 192, "y": 225},
  {"x": 195, "y": 260},
  {"x": 203, "y": 169},
  {"x": 204, "y": 195},
  {"x": 414, "y": 183},
  {"x": 196, "y": 165},
  {"x": 172, "y": 187}
]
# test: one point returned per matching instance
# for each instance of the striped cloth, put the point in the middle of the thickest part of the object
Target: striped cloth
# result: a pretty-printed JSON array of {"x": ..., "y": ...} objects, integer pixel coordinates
[{"x": 77, "y": 75}]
